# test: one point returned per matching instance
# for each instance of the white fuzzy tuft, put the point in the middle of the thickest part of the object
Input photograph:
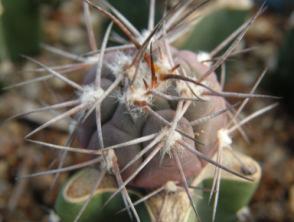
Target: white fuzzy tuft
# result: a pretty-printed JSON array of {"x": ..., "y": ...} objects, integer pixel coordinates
[
  {"x": 170, "y": 137},
  {"x": 224, "y": 139},
  {"x": 174, "y": 137},
  {"x": 91, "y": 94},
  {"x": 171, "y": 187},
  {"x": 109, "y": 159},
  {"x": 204, "y": 58},
  {"x": 119, "y": 63}
]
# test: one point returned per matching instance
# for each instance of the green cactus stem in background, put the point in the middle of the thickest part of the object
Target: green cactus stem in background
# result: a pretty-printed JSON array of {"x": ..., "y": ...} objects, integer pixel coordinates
[
  {"x": 235, "y": 193},
  {"x": 137, "y": 14},
  {"x": 2, "y": 43},
  {"x": 77, "y": 190},
  {"x": 212, "y": 29},
  {"x": 282, "y": 78},
  {"x": 20, "y": 27}
]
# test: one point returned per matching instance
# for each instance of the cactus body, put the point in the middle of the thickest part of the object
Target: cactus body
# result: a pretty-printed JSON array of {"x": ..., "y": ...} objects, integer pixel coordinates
[{"x": 121, "y": 126}]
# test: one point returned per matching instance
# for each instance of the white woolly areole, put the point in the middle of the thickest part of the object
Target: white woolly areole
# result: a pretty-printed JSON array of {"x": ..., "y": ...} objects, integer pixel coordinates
[
  {"x": 171, "y": 187},
  {"x": 109, "y": 158},
  {"x": 119, "y": 63},
  {"x": 91, "y": 94},
  {"x": 223, "y": 138},
  {"x": 170, "y": 137},
  {"x": 174, "y": 137},
  {"x": 203, "y": 57}
]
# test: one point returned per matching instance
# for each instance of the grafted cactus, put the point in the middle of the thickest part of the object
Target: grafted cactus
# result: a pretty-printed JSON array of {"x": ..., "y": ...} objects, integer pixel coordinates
[{"x": 153, "y": 119}]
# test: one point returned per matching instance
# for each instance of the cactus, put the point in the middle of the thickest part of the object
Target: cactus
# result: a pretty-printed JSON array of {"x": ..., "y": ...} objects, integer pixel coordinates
[
  {"x": 219, "y": 22},
  {"x": 154, "y": 120},
  {"x": 20, "y": 19},
  {"x": 281, "y": 76}
]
